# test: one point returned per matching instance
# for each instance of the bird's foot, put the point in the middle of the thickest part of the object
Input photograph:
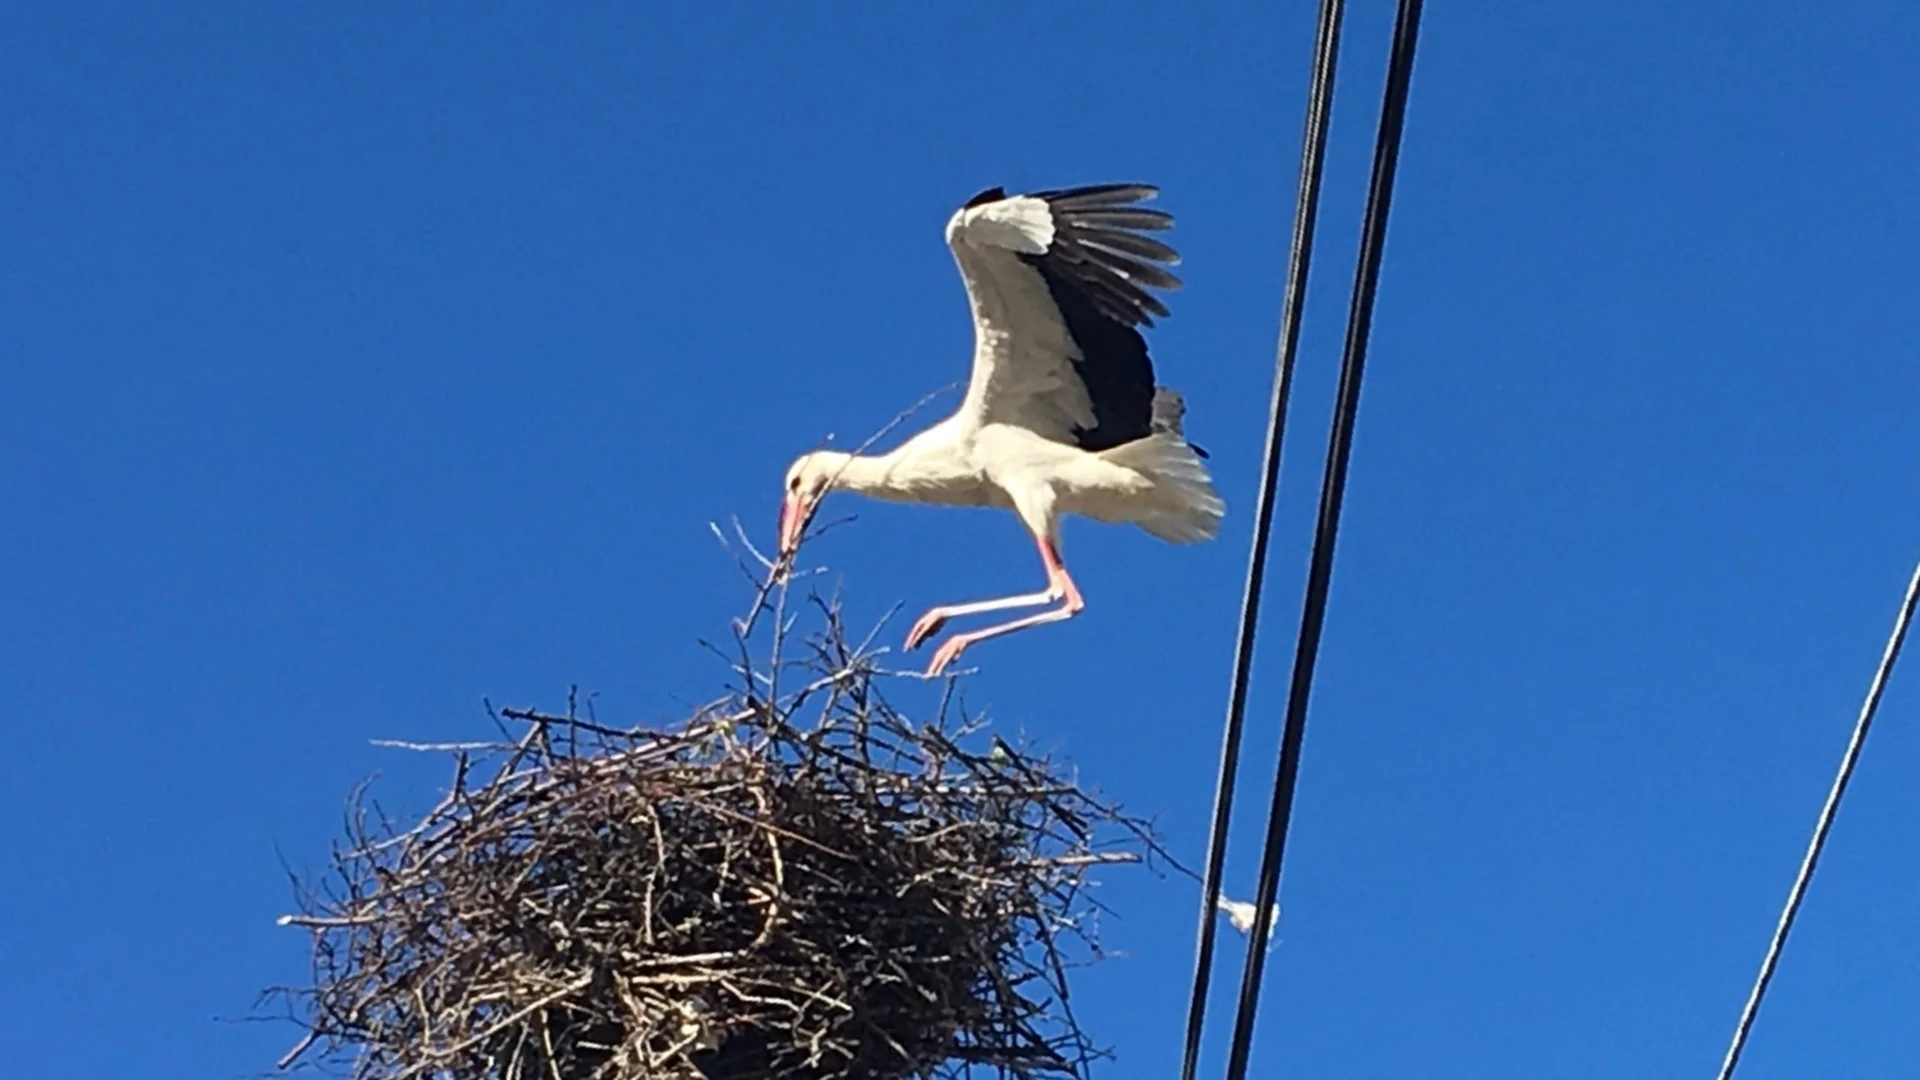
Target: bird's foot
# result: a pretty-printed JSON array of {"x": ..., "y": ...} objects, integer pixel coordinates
[
  {"x": 927, "y": 626},
  {"x": 947, "y": 654}
]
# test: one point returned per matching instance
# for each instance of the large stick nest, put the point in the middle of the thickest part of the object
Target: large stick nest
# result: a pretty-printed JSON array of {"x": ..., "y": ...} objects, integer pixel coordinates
[{"x": 793, "y": 885}]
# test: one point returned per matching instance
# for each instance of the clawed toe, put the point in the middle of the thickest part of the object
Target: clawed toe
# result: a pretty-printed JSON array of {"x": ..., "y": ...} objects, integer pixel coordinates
[
  {"x": 948, "y": 653},
  {"x": 929, "y": 625}
]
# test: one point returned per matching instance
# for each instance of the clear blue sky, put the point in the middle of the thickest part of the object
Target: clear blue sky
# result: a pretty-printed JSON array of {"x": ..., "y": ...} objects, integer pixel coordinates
[{"x": 363, "y": 360}]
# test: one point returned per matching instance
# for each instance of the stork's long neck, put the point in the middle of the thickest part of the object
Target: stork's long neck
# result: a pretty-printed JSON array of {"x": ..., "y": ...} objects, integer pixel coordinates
[
  {"x": 872, "y": 475},
  {"x": 911, "y": 473}
]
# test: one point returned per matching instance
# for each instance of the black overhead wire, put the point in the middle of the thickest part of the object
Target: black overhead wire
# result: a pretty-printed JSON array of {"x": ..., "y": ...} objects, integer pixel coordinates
[
  {"x": 1373, "y": 238},
  {"x": 1306, "y": 211},
  {"x": 1888, "y": 657}
]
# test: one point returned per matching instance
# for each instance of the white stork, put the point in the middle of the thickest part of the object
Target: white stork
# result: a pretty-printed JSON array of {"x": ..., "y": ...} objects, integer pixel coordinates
[{"x": 1061, "y": 415}]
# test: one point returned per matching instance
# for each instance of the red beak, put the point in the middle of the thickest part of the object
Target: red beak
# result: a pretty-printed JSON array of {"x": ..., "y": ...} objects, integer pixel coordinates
[{"x": 794, "y": 513}]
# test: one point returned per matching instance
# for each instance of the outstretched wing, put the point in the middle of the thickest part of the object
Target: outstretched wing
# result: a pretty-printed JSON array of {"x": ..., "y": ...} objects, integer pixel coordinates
[{"x": 1059, "y": 284}]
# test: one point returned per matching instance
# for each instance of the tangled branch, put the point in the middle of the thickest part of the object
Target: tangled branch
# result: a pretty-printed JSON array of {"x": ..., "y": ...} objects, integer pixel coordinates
[{"x": 805, "y": 884}]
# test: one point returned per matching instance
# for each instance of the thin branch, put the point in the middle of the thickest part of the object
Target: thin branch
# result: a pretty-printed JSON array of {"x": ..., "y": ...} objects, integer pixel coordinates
[{"x": 866, "y": 893}]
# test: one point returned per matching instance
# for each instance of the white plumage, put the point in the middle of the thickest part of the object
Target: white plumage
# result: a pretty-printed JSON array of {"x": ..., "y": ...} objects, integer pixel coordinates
[
  {"x": 1242, "y": 914},
  {"x": 1062, "y": 414}
]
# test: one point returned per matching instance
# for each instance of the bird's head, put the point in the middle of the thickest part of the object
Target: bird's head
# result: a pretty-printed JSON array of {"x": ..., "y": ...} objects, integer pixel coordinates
[{"x": 809, "y": 479}]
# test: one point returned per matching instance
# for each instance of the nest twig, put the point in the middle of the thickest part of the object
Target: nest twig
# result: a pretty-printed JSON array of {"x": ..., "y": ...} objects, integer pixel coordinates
[{"x": 798, "y": 885}]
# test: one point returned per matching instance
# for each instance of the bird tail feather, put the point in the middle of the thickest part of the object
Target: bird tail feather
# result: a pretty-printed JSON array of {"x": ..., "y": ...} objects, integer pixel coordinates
[{"x": 1188, "y": 509}]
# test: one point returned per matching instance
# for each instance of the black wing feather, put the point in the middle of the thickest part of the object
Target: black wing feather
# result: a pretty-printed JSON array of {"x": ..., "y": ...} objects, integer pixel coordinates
[
  {"x": 1113, "y": 364},
  {"x": 1128, "y": 218},
  {"x": 1098, "y": 270},
  {"x": 1144, "y": 247},
  {"x": 1094, "y": 247},
  {"x": 1097, "y": 195},
  {"x": 992, "y": 194}
]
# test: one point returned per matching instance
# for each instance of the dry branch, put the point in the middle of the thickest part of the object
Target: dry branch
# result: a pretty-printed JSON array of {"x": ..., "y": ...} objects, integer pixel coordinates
[{"x": 806, "y": 885}]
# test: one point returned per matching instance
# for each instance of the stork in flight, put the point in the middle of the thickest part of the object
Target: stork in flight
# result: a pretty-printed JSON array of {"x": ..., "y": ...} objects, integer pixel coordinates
[{"x": 1062, "y": 415}]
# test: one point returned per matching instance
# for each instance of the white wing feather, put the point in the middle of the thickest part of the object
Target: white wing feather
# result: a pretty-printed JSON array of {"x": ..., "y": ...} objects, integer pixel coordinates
[
  {"x": 1023, "y": 356},
  {"x": 1023, "y": 224}
]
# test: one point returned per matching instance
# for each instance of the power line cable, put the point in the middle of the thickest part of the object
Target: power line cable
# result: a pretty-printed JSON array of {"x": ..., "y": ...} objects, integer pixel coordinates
[
  {"x": 1373, "y": 237},
  {"x": 1888, "y": 657},
  {"x": 1306, "y": 212}
]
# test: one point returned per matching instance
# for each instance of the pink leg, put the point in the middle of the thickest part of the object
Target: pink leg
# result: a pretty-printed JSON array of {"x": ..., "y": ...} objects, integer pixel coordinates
[
  {"x": 935, "y": 618},
  {"x": 1060, "y": 587}
]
